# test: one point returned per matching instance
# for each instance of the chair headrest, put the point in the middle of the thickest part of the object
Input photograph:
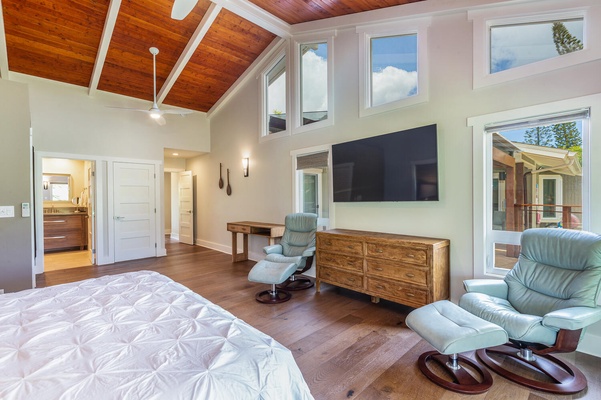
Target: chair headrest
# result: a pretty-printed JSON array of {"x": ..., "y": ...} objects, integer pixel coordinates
[
  {"x": 563, "y": 248},
  {"x": 301, "y": 222}
]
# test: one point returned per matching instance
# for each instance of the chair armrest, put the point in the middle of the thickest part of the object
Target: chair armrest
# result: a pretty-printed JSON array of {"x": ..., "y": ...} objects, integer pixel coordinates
[
  {"x": 572, "y": 318},
  {"x": 275, "y": 248},
  {"x": 309, "y": 252},
  {"x": 492, "y": 287}
]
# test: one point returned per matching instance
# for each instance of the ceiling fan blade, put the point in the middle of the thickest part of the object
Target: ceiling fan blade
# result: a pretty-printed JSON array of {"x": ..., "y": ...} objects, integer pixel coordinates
[
  {"x": 160, "y": 120},
  {"x": 128, "y": 108},
  {"x": 181, "y": 8}
]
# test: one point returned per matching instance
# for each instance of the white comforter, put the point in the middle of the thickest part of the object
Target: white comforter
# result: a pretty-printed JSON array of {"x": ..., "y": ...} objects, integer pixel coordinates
[{"x": 137, "y": 335}]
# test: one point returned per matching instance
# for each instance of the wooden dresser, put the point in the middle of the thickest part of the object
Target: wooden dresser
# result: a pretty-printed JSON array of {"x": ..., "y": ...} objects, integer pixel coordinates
[
  {"x": 410, "y": 270},
  {"x": 65, "y": 231}
]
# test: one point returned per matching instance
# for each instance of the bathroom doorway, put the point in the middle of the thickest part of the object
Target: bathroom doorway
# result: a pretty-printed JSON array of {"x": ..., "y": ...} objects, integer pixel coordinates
[{"x": 68, "y": 193}]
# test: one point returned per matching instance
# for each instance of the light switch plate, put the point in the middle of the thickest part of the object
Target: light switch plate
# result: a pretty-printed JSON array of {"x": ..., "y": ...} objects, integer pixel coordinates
[{"x": 7, "y": 211}]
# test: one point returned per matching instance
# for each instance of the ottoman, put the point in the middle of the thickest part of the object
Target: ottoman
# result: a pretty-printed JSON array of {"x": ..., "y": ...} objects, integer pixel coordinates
[
  {"x": 272, "y": 273},
  {"x": 452, "y": 330}
]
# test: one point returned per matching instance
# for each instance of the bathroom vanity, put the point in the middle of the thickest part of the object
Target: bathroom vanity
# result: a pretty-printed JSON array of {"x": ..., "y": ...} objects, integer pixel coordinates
[{"x": 65, "y": 231}]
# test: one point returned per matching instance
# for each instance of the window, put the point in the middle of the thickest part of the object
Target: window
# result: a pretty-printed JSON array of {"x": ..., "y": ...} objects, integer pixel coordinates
[
  {"x": 274, "y": 104},
  {"x": 532, "y": 171},
  {"x": 394, "y": 66},
  {"x": 311, "y": 188},
  {"x": 276, "y": 97},
  {"x": 526, "y": 40},
  {"x": 314, "y": 82},
  {"x": 512, "y": 46}
]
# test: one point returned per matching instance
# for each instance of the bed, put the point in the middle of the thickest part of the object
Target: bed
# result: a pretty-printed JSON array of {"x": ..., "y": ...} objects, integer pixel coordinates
[{"x": 137, "y": 335}]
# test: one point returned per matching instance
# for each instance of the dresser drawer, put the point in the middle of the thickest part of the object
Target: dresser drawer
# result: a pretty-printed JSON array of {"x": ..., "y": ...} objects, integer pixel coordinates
[
  {"x": 340, "y": 261},
  {"x": 58, "y": 241},
  {"x": 394, "y": 270},
  {"x": 342, "y": 278},
  {"x": 397, "y": 253},
  {"x": 397, "y": 291},
  {"x": 345, "y": 246},
  {"x": 61, "y": 222}
]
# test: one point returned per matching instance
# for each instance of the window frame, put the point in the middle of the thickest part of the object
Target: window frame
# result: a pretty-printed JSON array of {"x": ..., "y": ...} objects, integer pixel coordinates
[
  {"x": 280, "y": 52},
  {"x": 484, "y": 237},
  {"x": 419, "y": 27},
  {"x": 483, "y": 20},
  {"x": 323, "y": 37}
]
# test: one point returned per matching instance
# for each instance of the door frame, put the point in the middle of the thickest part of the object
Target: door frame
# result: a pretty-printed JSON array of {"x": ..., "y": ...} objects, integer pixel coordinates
[{"x": 105, "y": 252}]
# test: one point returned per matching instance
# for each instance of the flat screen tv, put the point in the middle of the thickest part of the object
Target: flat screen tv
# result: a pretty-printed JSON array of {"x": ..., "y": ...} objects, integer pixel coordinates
[{"x": 398, "y": 166}]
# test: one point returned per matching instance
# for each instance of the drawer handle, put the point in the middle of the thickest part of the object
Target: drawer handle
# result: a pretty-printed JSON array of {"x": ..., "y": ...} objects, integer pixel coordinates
[
  {"x": 350, "y": 263},
  {"x": 411, "y": 255},
  {"x": 379, "y": 287},
  {"x": 410, "y": 275},
  {"x": 329, "y": 243},
  {"x": 58, "y": 221},
  {"x": 410, "y": 294},
  {"x": 55, "y": 237},
  {"x": 350, "y": 246},
  {"x": 379, "y": 269},
  {"x": 379, "y": 251},
  {"x": 351, "y": 279}
]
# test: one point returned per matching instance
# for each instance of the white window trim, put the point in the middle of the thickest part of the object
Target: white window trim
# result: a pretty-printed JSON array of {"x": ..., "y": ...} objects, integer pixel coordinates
[
  {"x": 365, "y": 33},
  {"x": 481, "y": 170},
  {"x": 264, "y": 135},
  {"x": 327, "y": 37},
  {"x": 530, "y": 13}
]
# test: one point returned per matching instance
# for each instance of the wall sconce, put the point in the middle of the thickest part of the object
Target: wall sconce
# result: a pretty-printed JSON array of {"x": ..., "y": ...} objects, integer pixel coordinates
[
  {"x": 45, "y": 185},
  {"x": 502, "y": 175},
  {"x": 245, "y": 163}
]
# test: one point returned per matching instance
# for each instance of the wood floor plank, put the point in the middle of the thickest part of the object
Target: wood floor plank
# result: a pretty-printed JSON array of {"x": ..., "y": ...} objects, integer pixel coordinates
[{"x": 345, "y": 346}]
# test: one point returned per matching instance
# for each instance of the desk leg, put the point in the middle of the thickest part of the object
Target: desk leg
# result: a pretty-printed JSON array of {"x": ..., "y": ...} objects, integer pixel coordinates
[{"x": 239, "y": 256}]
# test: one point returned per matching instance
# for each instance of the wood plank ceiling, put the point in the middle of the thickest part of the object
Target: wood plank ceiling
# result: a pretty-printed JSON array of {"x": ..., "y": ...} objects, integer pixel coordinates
[{"x": 103, "y": 44}]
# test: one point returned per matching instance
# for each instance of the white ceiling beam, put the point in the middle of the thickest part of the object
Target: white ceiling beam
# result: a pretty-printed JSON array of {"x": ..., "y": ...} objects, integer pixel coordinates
[
  {"x": 105, "y": 40},
  {"x": 199, "y": 34},
  {"x": 3, "y": 51},
  {"x": 257, "y": 16}
]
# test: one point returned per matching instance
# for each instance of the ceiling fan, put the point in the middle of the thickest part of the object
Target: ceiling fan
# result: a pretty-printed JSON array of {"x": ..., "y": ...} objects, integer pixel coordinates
[
  {"x": 155, "y": 112},
  {"x": 181, "y": 8}
]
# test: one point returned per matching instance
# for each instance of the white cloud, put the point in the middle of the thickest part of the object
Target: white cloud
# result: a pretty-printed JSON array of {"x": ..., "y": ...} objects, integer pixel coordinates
[
  {"x": 315, "y": 82},
  {"x": 392, "y": 84}
]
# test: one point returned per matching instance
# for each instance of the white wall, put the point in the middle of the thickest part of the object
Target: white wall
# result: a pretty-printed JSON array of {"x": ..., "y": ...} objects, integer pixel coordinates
[
  {"x": 68, "y": 123},
  {"x": 266, "y": 194}
]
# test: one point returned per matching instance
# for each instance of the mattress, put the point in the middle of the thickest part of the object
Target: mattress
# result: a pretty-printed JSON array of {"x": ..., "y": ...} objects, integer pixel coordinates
[{"x": 136, "y": 335}]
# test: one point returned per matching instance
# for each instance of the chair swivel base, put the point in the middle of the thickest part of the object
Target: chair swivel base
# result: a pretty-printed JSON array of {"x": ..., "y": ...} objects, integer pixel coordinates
[
  {"x": 273, "y": 296},
  {"x": 463, "y": 381},
  {"x": 564, "y": 377},
  {"x": 296, "y": 283}
]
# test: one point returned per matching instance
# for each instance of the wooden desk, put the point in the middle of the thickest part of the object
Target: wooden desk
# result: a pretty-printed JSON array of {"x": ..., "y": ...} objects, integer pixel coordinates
[{"x": 271, "y": 231}]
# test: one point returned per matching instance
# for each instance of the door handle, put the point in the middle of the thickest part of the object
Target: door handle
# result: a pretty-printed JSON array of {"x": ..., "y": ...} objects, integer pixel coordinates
[{"x": 116, "y": 218}]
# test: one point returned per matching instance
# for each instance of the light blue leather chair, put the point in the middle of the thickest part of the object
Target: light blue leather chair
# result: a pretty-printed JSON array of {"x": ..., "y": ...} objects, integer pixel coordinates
[
  {"x": 544, "y": 304},
  {"x": 294, "y": 252}
]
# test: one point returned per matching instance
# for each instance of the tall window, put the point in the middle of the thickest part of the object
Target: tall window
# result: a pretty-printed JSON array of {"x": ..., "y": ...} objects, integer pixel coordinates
[
  {"x": 515, "y": 45},
  {"x": 314, "y": 82},
  {"x": 275, "y": 81},
  {"x": 393, "y": 68},
  {"x": 536, "y": 177}
]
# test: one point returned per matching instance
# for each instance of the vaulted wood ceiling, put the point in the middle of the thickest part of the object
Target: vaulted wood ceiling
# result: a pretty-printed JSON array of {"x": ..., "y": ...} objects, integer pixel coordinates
[{"x": 104, "y": 44}]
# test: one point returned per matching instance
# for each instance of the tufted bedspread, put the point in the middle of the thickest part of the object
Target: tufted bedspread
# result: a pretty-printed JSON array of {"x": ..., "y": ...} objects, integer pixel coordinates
[{"x": 137, "y": 335}]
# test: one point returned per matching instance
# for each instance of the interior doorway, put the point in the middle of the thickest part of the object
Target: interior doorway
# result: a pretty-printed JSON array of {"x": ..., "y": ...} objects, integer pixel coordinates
[{"x": 69, "y": 229}]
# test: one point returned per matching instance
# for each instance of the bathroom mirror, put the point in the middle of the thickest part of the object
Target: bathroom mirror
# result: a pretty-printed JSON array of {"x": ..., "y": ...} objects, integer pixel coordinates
[{"x": 56, "y": 187}]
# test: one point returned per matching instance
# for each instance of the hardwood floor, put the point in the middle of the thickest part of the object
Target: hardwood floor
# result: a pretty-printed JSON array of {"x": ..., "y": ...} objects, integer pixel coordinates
[{"x": 345, "y": 346}]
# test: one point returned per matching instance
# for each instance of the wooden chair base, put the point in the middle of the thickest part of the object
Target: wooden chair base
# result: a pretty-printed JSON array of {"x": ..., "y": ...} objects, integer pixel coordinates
[
  {"x": 567, "y": 379},
  {"x": 273, "y": 296},
  {"x": 296, "y": 284},
  {"x": 463, "y": 381}
]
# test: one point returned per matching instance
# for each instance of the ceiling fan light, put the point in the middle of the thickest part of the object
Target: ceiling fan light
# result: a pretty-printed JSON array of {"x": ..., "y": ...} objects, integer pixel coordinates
[{"x": 155, "y": 114}]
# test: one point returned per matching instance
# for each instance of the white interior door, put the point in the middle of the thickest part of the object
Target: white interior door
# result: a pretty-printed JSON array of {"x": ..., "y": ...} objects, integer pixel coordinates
[
  {"x": 186, "y": 208},
  {"x": 90, "y": 203},
  {"x": 134, "y": 211}
]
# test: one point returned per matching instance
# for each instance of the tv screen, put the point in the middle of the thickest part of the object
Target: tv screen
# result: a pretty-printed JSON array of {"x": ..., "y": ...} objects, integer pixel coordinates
[{"x": 398, "y": 166}]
